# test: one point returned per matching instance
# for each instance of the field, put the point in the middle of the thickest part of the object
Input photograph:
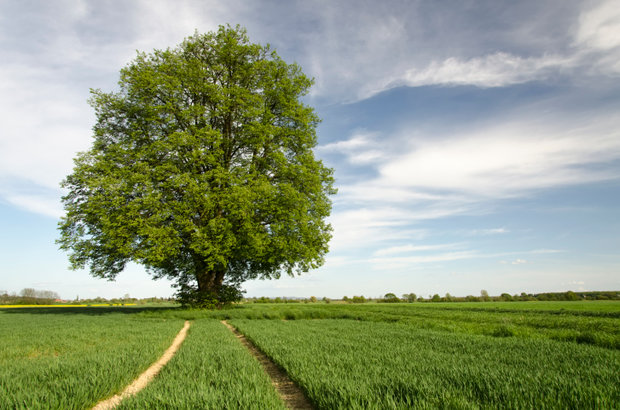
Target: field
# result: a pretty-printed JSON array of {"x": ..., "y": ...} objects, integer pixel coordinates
[
  {"x": 60, "y": 359},
  {"x": 419, "y": 355}
]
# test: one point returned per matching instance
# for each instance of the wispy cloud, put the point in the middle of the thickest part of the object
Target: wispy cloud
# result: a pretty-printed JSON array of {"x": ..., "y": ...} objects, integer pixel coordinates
[
  {"x": 403, "y": 249},
  {"x": 359, "y": 149},
  {"x": 400, "y": 262},
  {"x": 594, "y": 50},
  {"x": 491, "y": 231},
  {"x": 546, "y": 251},
  {"x": 495, "y": 70},
  {"x": 599, "y": 27},
  {"x": 507, "y": 160},
  {"x": 44, "y": 205}
]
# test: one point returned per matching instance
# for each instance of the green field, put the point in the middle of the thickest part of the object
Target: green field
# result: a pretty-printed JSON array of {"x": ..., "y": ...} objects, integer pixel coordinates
[
  {"x": 212, "y": 370},
  {"x": 420, "y": 355},
  {"x": 61, "y": 360}
]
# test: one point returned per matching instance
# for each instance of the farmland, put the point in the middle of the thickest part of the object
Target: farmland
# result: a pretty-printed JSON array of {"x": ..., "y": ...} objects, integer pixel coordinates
[
  {"x": 461, "y": 355},
  {"x": 68, "y": 360}
]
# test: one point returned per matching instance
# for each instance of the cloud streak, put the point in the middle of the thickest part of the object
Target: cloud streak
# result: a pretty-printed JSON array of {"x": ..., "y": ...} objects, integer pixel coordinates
[{"x": 495, "y": 70}]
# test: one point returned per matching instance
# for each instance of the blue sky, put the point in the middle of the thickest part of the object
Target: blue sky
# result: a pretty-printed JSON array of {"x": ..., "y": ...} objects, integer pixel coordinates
[{"x": 476, "y": 145}]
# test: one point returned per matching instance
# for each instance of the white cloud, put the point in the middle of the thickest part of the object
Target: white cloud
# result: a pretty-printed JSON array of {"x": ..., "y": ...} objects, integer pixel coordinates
[
  {"x": 599, "y": 27},
  {"x": 356, "y": 228},
  {"x": 595, "y": 50},
  {"x": 396, "y": 250},
  {"x": 514, "y": 262},
  {"x": 40, "y": 204},
  {"x": 492, "y": 231},
  {"x": 360, "y": 149},
  {"x": 508, "y": 160},
  {"x": 495, "y": 70},
  {"x": 400, "y": 262},
  {"x": 546, "y": 251}
]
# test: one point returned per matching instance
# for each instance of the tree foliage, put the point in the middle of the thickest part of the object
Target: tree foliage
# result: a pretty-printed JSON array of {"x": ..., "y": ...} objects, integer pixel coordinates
[{"x": 201, "y": 169}]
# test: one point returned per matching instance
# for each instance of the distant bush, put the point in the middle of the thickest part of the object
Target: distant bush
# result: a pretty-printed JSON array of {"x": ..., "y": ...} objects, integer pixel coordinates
[{"x": 389, "y": 298}]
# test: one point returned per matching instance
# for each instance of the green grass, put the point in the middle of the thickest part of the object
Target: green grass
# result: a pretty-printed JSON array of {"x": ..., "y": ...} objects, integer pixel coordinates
[
  {"x": 446, "y": 355},
  {"x": 595, "y": 323},
  {"x": 212, "y": 370},
  {"x": 360, "y": 364},
  {"x": 73, "y": 360}
]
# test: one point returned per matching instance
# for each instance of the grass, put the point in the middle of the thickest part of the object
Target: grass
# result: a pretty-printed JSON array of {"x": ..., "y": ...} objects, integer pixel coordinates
[
  {"x": 360, "y": 364},
  {"x": 212, "y": 370},
  {"x": 420, "y": 355},
  {"x": 71, "y": 361},
  {"x": 594, "y": 323}
]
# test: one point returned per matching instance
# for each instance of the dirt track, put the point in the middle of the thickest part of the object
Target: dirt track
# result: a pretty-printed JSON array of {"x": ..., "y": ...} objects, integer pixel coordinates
[
  {"x": 144, "y": 379},
  {"x": 292, "y": 396}
]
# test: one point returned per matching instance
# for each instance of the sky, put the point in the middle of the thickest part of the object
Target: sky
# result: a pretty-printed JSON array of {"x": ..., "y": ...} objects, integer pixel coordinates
[{"x": 476, "y": 144}]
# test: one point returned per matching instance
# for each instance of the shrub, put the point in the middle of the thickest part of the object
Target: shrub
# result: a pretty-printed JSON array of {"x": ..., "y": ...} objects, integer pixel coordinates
[{"x": 390, "y": 298}]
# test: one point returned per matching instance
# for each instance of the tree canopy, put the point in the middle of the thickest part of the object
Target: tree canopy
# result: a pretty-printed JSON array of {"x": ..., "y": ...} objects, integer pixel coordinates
[{"x": 201, "y": 169}]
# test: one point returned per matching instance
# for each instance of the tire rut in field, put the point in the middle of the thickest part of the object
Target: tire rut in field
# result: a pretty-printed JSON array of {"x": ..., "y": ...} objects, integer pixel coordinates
[
  {"x": 146, "y": 377},
  {"x": 291, "y": 394}
]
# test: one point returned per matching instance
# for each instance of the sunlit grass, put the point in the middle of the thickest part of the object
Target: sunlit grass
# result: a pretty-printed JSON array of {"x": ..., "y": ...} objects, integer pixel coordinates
[
  {"x": 528, "y": 354},
  {"x": 360, "y": 364},
  {"x": 74, "y": 360},
  {"x": 595, "y": 323},
  {"x": 212, "y": 370}
]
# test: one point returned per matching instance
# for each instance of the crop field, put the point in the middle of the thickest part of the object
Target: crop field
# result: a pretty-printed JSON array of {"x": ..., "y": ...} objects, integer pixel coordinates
[
  {"x": 212, "y": 371},
  {"x": 419, "y": 355},
  {"x": 67, "y": 360},
  {"x": 382, "y": 365}
]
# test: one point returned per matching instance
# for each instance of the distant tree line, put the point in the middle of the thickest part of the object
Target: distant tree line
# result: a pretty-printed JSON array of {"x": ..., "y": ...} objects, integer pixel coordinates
[
  {"x": 504, "y": 297},
  {"x": 484, "y": 297},
  {"x": 36, "y": 297},
  {"x": 263, "y": 299},
  {"x": 30, "y": 296}
]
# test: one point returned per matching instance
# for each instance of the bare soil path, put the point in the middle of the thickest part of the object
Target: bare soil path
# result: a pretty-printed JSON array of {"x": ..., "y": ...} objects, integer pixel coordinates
[
  {"x": 144, "y": 379},
  {"x": 292, "y": 396}
]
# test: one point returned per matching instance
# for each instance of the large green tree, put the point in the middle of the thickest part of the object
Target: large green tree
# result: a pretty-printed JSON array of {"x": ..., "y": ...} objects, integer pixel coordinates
[{"x": 201, "y": 169}]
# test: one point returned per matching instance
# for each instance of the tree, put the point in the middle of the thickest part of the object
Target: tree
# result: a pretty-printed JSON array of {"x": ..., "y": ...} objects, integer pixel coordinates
[
  {"x": 28, "y": 293},
  {"x": 484, "y": 295},
  {"x": 390, "y": 298},
  {"x": 201, "y": 170},
  {"x": 506, "y": 297}
]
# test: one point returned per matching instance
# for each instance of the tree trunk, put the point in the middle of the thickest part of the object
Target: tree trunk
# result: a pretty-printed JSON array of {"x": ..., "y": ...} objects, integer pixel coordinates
[{"x": 210, "y": 281}]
